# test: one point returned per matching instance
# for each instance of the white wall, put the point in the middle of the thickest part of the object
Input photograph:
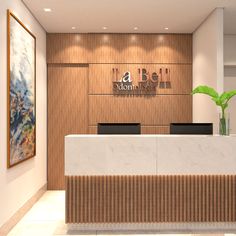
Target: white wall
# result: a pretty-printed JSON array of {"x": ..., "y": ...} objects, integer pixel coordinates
[
  {"x": 19, "y": 183},
  {"x": 230, "y": 50},
  {"x": 230, "y": 75},
  {"x": 208, "y": 66},
  {"x": 230, "y": 84}
]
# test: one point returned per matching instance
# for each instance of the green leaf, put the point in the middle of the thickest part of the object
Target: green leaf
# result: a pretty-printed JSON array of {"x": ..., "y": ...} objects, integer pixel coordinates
[
  {"x": 224, "y": 106},
  {"x": 217, "y": 101},
  {"x": 221, "y": 100},
  {"x": 206, "y": 90},
  {"x": 226, "y": 96}
]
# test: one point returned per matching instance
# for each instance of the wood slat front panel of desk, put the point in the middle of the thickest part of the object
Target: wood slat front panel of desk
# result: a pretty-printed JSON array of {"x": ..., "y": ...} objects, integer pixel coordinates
[{"x": 144, "y": 199}]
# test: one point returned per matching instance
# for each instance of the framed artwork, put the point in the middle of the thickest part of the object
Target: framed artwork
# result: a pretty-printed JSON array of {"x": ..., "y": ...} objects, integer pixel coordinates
[{"x": 21, "y": 82}]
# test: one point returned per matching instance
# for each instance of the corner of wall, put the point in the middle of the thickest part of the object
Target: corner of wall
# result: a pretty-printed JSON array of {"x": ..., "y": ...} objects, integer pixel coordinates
[{"x": 208, "y": 65}]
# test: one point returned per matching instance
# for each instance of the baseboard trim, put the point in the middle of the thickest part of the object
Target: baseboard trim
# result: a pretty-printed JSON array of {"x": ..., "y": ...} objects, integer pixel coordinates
[
  {"x": 6, "y": 227},
  {"x": 206, "y": 228}
]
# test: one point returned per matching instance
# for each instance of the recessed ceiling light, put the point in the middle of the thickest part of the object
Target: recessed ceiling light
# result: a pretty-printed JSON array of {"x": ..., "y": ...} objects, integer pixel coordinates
[
  {"x": 47, "y": 9},
  {"x": 73, "y": 27},
  {"x": 136, "y": 28},
  {"x": 166, "y": 28},
  {"x": 104, "y": 27}
]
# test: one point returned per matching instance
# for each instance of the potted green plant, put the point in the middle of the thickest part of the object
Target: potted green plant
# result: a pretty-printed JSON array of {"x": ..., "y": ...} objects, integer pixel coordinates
[{"x": 221, "y": 100}]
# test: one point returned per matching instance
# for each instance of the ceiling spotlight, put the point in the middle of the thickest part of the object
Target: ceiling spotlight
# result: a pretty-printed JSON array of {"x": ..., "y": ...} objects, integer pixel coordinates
[
  {"x": 47, "y": 9},
  {"x": 136, "y": 28},
  {"x": 73, "y": 27},
  {"x": 166, "y": 28},
  {"x": 104, "y": 27}
]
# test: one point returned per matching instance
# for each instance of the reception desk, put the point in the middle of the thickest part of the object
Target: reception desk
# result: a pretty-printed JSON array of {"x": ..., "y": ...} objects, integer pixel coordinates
[{"x": 142, "y": 179}]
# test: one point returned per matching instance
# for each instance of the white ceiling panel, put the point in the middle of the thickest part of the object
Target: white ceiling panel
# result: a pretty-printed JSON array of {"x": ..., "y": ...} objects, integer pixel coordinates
[{"x": 121, "y": 16}]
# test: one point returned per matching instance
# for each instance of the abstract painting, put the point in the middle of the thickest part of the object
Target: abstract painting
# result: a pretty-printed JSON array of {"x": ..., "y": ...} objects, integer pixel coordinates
[{"x": 21, "y": 92}]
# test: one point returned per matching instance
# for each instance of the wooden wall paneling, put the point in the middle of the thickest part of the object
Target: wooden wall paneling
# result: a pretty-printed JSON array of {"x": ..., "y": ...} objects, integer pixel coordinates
[
  {"x": 167, "y": 48},
  {"x": 67, "y": 114},
  {"x": 155, "y": 129},
  {"x": 102, "y": 75},
  {"x": 92, "y": 129},
  {"x": 93, "y": 101},
  {"x": 119, "y": 48},
  {"x": 144, "y": 48},
  {"x": 147, "y": 110},
  {"x": 104, "y": 48},
  {"x": 179, "y": 76},
  {"x": 68, "y": 48},
  {"x": 150, "y": 199}
]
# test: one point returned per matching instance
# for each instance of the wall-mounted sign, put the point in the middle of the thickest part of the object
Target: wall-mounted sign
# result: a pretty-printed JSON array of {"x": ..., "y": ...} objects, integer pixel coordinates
[{"x": 147, "y": 83}]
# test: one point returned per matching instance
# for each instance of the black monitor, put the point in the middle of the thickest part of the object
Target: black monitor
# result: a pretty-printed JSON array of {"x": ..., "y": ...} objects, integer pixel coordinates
[
  {"x": 119, "y": 128},
  {"x": 191, "y": 128}
]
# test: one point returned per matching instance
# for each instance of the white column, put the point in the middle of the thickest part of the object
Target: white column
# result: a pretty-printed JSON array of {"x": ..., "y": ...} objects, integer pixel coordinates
[
  {"x": 230, "y": 76},
  {"x": 208, "y": 65}
]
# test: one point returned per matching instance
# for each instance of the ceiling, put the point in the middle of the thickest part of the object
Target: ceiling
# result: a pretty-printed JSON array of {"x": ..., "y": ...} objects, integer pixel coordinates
[{"x": 121, "y": 16}]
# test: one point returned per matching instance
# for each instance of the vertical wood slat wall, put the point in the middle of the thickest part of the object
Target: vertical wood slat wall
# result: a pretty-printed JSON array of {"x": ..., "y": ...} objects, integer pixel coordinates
[
  {"x": 80, "y": 86},
  {"x": 67, "y": 114},
  {"x": 119, "y": 48},
  {"x": 140, "y": 199}
]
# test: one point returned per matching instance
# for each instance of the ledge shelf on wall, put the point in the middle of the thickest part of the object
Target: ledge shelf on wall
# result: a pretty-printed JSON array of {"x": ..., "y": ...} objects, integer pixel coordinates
[{"x": 229, "y": 65}]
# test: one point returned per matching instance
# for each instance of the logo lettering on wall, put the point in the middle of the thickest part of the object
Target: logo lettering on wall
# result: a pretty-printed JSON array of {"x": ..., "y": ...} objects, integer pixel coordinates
[{"x": 147, "y": 82}]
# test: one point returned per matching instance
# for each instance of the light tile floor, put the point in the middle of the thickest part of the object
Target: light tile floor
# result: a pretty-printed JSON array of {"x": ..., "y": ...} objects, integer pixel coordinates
[{"x": 46, "y": 218}]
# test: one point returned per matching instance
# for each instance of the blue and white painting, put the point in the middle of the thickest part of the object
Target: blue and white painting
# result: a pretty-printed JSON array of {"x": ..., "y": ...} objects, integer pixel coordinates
[{"x": 22, "y": 93}]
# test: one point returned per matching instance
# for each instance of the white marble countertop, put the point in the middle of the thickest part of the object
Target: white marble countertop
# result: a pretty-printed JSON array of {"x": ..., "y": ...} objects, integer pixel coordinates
[
  {"x": 145, "y": 135},
  {"x": 149, "y": 154}
]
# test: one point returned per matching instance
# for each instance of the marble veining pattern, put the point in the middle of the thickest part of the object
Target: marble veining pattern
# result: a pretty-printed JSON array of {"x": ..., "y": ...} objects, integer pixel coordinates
[{"x": 149, "y": 154}]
